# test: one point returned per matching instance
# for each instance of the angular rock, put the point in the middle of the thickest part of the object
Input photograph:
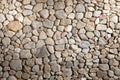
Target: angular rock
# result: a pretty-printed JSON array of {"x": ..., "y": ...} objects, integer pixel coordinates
[
  {"x": 59, "y": 47},
  {"x": 16, "y": 65},
  {"x": 15, "y": 26},
  {"x": 19, "y": 17},
  {"x": 65, "y": 22},
  {"x": 42, "y": 52},
  {"x": 42, "y": 35}
]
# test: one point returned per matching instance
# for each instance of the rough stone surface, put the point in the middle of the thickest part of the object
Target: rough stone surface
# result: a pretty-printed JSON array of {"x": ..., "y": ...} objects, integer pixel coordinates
[
  {"x": 16, "y": 65},
  {"x": 15, "y": 26}
]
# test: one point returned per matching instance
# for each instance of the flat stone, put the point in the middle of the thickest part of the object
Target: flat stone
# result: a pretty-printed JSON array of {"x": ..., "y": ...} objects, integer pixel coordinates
[
  {"x": 48, "y": 24},
  {"x": 9, "y": 33},
  {"x": 2, "y": 18},
  {"x": 42, "y": 35},
  {"x": 12, "y": 78},
  {"x": 60, "y": 14},
  {"x": 38, "y": 7},
  {"x": 101, "y": 74},
  {"x": 79, "y": 16},
  {"x": 15, "y": 26},
  {"x": 104, "y": 67},
  {"x": 42, "y": 52},
  {"x": 35, "y": 68},
  {"x": 80, "y": 25},
  {"x": 6, "y": 41},
  {"x": 101, "y": 27},
  {"x": 59, "y": 5},
  {"x": 29, "y": 45},
  {"x": 90, "y": 26},
  {"x": 50, "y": 2},
  {"x": 65, "y": 22},
  {"x": 41, "y": 1},
  {"x": 80, "y": 8},
  {"x": 19, "y": 17},
  {"x": 55, "y": 67},
  {"x": 84, "y": 44},
  {"x": 67, "y": 72},
  {"x": 59, "y": 47},
  {"x": 117, "y": 72},
  {"x": 16, "y": 65},
  {"x": 25, "y": 54},
  {"x": 49, "y": 41},
  {"x": 44, "y": 13},
  {"x": 27, "y": 12}
]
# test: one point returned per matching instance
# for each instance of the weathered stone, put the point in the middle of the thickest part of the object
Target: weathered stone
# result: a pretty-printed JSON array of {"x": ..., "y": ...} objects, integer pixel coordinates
[
  {"x": 90, "y": 26},
  {"x": 59, "y": 47},
  {"x": 6, "y": 41},
  {"x": 80, "y": 8},
  {"x": 35, "y": 68},
  {"x": 84, "y": 44},
  {"x": 101, "y": 74},
  {"x": 55, "y": 67},
  {"x": 59, "y": 5},
  {"x": 25, "y": 54},
  {"x": 44, "y": 13},
  {"x": 29, "y": 45},
  {"x": 12, "y": 78},
  {"x": 15, "y": 26},
  {"x": 49, "y": 41},
  {"x": 60, "y": 14},
  {"x": 16, "y": 65},
  {"x": 42, "y": 52},
  {"x": 48, "y": 24},
  {"x": 2, "y": 18},
  {"x": 65, "y": 22},
  {"x": 104, "y": 67},
  {"x": 101, "y": 27}
]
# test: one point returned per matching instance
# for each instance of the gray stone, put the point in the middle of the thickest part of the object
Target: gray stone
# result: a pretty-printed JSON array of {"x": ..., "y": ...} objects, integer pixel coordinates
[
  {"x": 60, "y": 14},
  {"x": 104, "y": 67},
  {"x": 16, "y": 65},
  {"x": 29, "y": 45},
  {"x": 84, "y": 44},
  {"x": 80, "y": 8},
  {"x": 36, "y": 24},
  {"x": 44, "y": 13},
  {"x": 55, "y": 67},
  {"x": 35, "y": 68},
  {"x": 25, "y": 54},
  {"x": 67, "y": 72},
  {"x": 12, "y": 78},
  {"x": 42, "y": 52},
  {"x": 48, "y": 24},
  {"x": 59, "y": 5},
  {"x": 27, "y": 12},
  {"x": 117, "y": 72},
  {"x": 102, "y": 41},
  {"x": 38, "y": 7},
  {"x": 50, "y": 2}
]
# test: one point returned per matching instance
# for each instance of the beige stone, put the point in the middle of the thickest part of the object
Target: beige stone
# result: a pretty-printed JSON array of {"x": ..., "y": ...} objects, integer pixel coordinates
[{"x": 15, "y": 26}]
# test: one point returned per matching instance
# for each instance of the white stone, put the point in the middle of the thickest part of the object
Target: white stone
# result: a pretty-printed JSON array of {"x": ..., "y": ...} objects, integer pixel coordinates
[
  {"x": 109, "y": 30},
  {"x": 10, "y": 17},
  {"x": 97, "y": 13},
  {"x": 79, "y": 15},
  {"x": 2, "y": 18},
  {"x": 68, "y": 28},
  {"x": 19, "y": 17},
  {"x": 101, "y": 27},
  {"x": 27, "y": 21},
  {"x": 71, "y": 16},
  {"x": 43, "y": 35}
]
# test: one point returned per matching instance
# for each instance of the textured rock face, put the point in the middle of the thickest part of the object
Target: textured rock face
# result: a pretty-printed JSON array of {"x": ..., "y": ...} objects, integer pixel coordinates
[
  {"x": 59, "y": 39},
  {"x": 15, "y": 26}
]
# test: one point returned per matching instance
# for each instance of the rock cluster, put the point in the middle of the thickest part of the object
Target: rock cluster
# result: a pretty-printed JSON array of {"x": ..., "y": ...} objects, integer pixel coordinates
[{"x": 59, "y": 40}]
